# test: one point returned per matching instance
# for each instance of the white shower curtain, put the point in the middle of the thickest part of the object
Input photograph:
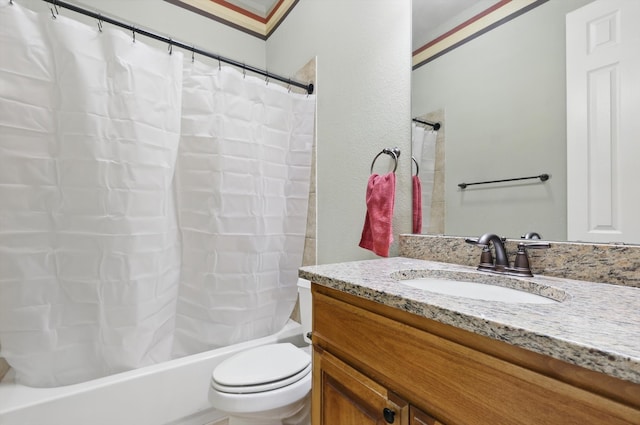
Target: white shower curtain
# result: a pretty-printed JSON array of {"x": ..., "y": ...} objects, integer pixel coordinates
[
  {"x": 97, "y": 259},
  {"x": 243, "y": 185}
]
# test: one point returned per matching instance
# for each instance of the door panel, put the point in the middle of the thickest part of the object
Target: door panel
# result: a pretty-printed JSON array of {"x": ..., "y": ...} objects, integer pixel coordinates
[{"x": 603, "y": 100}]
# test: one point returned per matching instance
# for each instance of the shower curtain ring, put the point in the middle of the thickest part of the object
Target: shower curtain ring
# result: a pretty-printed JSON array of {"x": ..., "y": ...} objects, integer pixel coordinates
[
  {"x": 170, "y": 47},
  {"x": 244, "y": 70},
  {"x": 219, "y": 64},
  {"x": 100, "y": 23},
  {"x": 133, "y": 32},
  {"x": 193, "y": 54},
  {"x": 266, "y": 79}
]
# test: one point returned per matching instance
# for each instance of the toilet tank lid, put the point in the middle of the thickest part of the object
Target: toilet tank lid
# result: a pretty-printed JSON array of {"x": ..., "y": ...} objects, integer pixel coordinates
[{"x": 259, "y": 365}]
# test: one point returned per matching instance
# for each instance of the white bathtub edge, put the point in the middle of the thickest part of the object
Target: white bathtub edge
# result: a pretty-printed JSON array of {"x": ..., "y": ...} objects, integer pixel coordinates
[{"x": 153, "y": 395}]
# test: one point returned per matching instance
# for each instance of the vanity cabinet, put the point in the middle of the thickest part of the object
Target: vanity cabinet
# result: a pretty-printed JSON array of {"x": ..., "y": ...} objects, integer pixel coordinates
[
  {"x": 369, "y": 357},
  {"x": 349, "y": 397}
]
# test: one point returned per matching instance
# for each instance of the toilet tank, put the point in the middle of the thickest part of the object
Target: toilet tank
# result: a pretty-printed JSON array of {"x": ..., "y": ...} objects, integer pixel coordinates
[{"x": 304, "y": 294}]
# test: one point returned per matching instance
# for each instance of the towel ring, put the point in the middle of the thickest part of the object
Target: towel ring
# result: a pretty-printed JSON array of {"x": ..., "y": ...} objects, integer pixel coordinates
[
  {"x": 413, "y": 158},
  {"x": 395, "y": 153}
]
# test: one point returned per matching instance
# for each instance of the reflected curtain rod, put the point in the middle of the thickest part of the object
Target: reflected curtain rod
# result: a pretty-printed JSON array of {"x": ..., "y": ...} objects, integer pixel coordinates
[
  {"x": 171, "y": 42},
  {"x": 435, "y": 125}
]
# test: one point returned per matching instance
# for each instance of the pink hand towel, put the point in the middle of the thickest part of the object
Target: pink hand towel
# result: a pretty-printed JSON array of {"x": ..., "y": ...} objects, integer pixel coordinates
[
  {"x": 417, "y": 204},
  {"x": 377, "y": 233}
]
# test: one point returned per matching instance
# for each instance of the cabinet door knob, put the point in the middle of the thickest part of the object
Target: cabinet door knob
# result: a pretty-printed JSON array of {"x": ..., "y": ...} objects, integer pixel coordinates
[{"x": 389, "y": 415}]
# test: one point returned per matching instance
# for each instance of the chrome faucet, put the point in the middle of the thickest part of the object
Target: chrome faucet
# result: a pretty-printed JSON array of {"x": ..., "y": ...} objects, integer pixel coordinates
[{"x": 501, "y": 264}]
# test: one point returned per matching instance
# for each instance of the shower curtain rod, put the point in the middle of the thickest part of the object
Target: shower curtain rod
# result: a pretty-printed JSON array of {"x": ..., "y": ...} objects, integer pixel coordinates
[
  {"x": 171, "y": 42},
  {"x": 435, "y": 125}
]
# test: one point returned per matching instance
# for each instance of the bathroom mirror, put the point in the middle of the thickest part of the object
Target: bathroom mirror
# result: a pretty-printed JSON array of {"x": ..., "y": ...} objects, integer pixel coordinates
[{"x": 500, "y": 98}]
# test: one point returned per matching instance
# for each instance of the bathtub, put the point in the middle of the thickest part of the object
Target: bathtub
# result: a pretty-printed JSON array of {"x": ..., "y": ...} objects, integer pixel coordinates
[{"x": 173, "y": 392}]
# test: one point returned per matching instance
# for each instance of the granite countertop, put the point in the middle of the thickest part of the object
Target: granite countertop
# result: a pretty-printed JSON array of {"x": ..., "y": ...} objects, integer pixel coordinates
[{"x": 595, "y": 325}]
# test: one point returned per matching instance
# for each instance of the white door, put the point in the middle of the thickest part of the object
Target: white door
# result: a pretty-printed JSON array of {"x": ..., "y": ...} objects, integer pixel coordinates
[{"x": 603, "y": 122}]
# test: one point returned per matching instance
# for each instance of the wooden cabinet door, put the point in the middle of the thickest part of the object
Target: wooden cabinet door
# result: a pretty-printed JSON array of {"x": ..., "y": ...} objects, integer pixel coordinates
[
  {"x": 342, "y": 395},
  {"x": 418, "y": 417}
]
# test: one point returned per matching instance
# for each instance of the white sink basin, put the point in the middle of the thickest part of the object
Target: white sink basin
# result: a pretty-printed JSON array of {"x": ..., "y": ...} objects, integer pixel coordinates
[{"x": 476, "y": 291}]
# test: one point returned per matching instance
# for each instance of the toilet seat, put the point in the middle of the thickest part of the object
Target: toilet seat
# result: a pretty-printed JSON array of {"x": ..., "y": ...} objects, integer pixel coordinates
[{"x": 264, "y": 368}]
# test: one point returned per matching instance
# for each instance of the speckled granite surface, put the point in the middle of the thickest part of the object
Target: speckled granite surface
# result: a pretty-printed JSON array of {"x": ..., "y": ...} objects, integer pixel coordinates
[
  {"x": 596, "y": 326},
  {"x": 606, "y": 263}
]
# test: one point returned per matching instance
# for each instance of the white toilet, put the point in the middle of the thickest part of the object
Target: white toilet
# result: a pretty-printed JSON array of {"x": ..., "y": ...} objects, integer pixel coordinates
[{"x": 270, "y": 384}]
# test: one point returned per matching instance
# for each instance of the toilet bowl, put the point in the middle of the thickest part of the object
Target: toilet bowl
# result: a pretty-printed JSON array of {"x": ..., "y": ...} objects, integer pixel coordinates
[{"x": 266, "y": 385}]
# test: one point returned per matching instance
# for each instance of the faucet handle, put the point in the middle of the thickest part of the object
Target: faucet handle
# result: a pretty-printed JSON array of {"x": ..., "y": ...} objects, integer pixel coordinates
[
  {"x": 486, "y": 258},
  {"x": 521, "y": 263},
  {"x": 535, "y": 245}
]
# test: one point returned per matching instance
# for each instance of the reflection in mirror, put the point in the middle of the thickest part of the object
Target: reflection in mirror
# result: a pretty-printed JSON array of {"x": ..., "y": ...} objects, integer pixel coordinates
[
  {"x": 427, "y": 144},
  {"x": 502, "y": 96}
]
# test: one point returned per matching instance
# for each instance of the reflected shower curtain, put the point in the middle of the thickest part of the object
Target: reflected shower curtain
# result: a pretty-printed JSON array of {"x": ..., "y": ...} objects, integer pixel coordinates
[
  {"x": 423, "y": 148},
  {"x": 120, "y": 241}
]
